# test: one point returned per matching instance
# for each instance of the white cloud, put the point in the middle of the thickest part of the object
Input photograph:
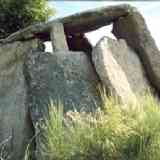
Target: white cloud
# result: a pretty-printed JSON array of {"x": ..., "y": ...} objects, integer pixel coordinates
[
  {"x": 154, "y": 27},
  {"x": 48, "y": 46},
  {"x": 95, "y": 36}
]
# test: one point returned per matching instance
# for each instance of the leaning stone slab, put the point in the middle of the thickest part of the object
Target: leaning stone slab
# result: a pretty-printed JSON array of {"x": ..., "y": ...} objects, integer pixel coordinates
[
  {"x": 134, "y": 30},
  {"x": 120, "y": 69},
  {"x": 15, "y": 124},
  {"x": 62, "y": 76}
]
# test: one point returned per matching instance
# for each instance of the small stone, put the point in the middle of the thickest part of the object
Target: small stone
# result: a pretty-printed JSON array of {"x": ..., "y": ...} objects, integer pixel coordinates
[{"x": 58, "y": 38}]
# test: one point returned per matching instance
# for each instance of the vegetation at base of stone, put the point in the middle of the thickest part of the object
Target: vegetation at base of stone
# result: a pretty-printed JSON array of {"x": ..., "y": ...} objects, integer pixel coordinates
[
  {"x": 116, "y": 132},
  {"x": 15, "y": 14},
  {"x": 4, "y": 153}
]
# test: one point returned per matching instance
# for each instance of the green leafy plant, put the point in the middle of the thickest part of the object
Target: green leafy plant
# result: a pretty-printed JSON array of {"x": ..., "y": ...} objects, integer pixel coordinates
[{"x": 15, "y": 15}]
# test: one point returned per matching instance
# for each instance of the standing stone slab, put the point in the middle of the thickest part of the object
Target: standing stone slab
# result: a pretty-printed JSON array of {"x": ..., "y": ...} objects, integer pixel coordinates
[
  {"x": 15, "y": 124},
  {"x": 134, "y": 30},
  {"x": 58, "y": 38},
  {"x": 63, "y": 76},
  {"x": 120, "y": 69}
]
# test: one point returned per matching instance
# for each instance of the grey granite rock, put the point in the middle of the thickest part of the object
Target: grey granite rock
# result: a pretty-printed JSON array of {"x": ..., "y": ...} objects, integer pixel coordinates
[
  {"x": 120, "y": 69},
  {"x": 62, "y": 76},
  {"x": 15, "y": 123},
  {"x": 134, "y": 30},
  {"x": 58, "y": 38}
]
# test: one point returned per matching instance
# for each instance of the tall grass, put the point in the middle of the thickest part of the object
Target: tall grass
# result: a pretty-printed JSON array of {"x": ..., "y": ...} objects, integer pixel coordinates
[
  {"x": 114, "y": 132},
  {"x": 4, "y": 152}
]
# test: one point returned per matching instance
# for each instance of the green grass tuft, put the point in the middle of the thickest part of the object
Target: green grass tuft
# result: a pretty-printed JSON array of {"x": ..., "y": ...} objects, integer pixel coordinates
[{"x": 114, "y": 132}]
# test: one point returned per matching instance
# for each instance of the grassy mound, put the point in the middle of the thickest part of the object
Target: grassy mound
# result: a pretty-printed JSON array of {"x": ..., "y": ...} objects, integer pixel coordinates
[{"x": 114, "y": 132}]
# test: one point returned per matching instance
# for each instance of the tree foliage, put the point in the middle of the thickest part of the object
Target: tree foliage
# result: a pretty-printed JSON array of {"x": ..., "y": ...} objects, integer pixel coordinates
[{"x": 18, "y": 14}]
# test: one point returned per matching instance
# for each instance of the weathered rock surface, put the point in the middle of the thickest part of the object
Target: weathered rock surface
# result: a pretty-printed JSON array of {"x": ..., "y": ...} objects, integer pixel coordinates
[
  {"x": 15, "y": 124},
  {"x": 120, "y": 69},
  {"x": 61, "y": 76},
  {"x": 134, "y": 30},
  {"x": 58, "y": 38}
]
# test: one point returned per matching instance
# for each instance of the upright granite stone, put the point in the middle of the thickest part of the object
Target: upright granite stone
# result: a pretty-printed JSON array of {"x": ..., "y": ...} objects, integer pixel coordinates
[
  {"x": 63, "y": 76},
  {"x": 134, "y": 30},
  {"x": 15, "y": 124},
  {"x": 58, "y": 38},
  {"x": 120, "y": 69}
]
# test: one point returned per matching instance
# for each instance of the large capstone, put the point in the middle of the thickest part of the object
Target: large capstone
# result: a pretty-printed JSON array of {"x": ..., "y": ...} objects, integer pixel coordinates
[
  {"x": 134, "y": 30},
  {"x": 15, "y": 125},
  {"x": 74, "y": 24},
  {"x": 120, "y": 69}
]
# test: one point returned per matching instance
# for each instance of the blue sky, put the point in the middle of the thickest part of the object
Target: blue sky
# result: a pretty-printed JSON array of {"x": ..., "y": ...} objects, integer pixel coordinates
[{"x": 150, "y": 11}]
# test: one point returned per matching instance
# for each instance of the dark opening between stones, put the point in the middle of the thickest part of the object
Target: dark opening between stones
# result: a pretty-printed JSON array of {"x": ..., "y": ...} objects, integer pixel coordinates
[
  {"x": 81, "y": 41},
  {"x": 86, "y": 42}
]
